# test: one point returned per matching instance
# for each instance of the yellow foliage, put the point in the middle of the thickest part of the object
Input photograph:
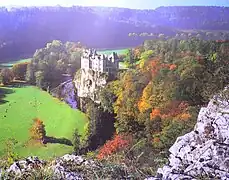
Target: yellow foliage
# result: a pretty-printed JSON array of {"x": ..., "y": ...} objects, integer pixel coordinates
[
  {"x": 185, "y": 116},
  {"x": 143, "y": 106},
  {"x": 118, "y": 103},
  {"x": 144, "y": 103}
]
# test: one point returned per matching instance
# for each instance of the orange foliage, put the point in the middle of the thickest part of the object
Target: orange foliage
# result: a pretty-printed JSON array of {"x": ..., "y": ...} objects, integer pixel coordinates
[
  {"x": 156, "y": 140},
  {"x": 155, "y": 112},
  {"x": 38, "y": 130},
  {"x": 174, "y": 109},
  {"x": 172, "y": 67},
  {"x": 118, "y": 143},
  {"x": 156, "y": 65}
]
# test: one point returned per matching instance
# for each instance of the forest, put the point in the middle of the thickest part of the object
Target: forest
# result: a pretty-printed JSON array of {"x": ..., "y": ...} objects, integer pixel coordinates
[
  {"x": 146, "y": 107},
  {"x": 158, "y": 98},
  {"x": 23, "y": 30}
]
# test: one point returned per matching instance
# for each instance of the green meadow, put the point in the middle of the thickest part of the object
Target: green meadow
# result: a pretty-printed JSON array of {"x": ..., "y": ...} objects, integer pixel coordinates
[
  {"x": 18, "y": 107},
  {"x": 11, "y": 63},
  {"x": 118, "y": 51}
]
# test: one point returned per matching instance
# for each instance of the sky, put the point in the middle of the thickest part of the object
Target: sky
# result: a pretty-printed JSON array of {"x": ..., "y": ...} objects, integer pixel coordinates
[{"x": 136, "y": 4}]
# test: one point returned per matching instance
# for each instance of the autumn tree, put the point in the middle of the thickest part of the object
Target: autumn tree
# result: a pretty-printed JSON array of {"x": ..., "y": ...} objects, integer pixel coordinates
[
  {"x": 37, "y": 131},
  {"x": 118, "y": 143}
]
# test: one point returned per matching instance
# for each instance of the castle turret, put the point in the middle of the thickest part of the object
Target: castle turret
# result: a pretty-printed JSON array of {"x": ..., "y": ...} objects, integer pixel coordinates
[
  {"x": 99, "y": 62},
  {"x": 96, "y": 69}
]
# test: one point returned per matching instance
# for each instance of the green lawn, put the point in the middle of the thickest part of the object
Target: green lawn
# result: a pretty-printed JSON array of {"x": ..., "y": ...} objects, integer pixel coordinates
[
  {"x": 26, "y": 103},
  {"x": 109, "y": 51},
  {"x": 11, "y": 63}
]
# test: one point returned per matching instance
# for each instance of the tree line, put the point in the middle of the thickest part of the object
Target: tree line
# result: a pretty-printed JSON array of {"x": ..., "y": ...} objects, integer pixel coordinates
[
  {"x": 158, "y": 98},
  {"x": 47, "y": 66}
]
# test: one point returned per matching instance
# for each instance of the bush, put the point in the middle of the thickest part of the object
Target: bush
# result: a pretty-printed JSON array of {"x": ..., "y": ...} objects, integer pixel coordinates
[{"x": 11, "y": 156}]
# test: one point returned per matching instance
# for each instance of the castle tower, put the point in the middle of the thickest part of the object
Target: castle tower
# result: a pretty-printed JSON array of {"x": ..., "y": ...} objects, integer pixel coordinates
[
  {"x": 95, "y": 71},
  {"x": 99, "y": 62}
]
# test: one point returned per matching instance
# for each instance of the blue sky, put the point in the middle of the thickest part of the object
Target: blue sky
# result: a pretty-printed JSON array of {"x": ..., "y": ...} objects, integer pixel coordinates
[{"x": 140, "y": 4}]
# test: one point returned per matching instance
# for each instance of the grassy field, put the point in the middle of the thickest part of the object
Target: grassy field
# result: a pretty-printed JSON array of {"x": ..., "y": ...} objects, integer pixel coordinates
[
  {"x": 118, "y": 51},
  {"x": 11, "y": 63},
  {"x": 25, "y": 103}
]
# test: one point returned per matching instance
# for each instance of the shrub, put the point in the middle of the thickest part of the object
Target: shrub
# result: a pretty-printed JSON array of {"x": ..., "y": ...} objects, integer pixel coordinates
[{"x": 11, "y": 156}]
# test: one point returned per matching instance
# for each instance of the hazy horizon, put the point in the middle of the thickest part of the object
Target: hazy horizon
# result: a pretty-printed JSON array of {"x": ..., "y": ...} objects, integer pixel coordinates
[{"x": 134, "y": 4}]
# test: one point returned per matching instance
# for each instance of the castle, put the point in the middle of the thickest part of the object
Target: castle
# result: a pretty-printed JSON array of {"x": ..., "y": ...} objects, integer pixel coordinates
[
  {"x": 96, "y": 70},
  {"x": 99, "y": 62}
]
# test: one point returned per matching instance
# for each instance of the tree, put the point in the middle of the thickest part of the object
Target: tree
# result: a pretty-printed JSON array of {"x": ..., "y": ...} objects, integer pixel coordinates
[
  {"x": 76, "y": 141},
  {"x": 30, "y": 74},
  {"x": 107, "y": 99},
  {"x": 19, "y": 70},
  {"x": 39, "y": 75},
  {"x": 6, "y": 76},
  {"x": 100, "y": 127},
  {"x": 37, "y": 131},
  {"x": 145, "y": 56},
  {"x": 118, "y": 142},
  {"x": 129, "y": 58}
]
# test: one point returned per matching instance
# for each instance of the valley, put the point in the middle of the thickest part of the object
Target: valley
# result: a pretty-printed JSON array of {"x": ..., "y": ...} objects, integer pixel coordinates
[
  {"x": 114, "y": 93},
  {"x": 21, "y": 105}
]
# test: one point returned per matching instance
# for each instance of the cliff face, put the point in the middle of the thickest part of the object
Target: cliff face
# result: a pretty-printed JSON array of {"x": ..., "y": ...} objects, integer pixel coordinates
[
  {"x": 204, "y": 152},
  {"x": 88, "y": 83}
]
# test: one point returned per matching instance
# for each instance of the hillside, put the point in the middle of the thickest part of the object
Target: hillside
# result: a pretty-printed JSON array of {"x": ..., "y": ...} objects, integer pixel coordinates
[{"x": 24, "y": 30}]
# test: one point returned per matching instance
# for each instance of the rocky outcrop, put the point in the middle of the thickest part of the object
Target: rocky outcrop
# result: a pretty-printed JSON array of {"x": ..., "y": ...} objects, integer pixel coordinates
[
  {"x": 88, "y": 83},
  {"x": 22, "y": 168},
  {"x": 69, "y": 167},
  {"x": 65, "y": 167},
  {"x": 204, "y": 152},
  {"x": 66, "y": 91}
]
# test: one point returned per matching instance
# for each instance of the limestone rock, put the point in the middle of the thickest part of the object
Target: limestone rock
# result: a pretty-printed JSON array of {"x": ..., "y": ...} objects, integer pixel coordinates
[
  {"x": 88, "y": 83},
  {"x": 66, "y": 92},
  {"x": 29, "y": 164},
  {"x": 204, "y": 152},
  {"x": 63, "y": 168}
]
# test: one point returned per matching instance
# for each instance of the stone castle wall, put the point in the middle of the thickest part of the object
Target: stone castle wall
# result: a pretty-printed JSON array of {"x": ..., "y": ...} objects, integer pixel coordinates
[{"x": 94, "y": 74}]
